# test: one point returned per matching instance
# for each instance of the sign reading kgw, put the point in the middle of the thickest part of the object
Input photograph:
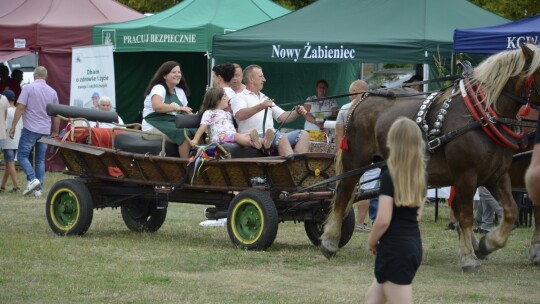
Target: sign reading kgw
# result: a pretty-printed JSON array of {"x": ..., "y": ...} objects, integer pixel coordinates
[
  {"x": 160, "y": 38},
  {"x": 513, "y": 41},
  {"x": 312, "y": 52}
]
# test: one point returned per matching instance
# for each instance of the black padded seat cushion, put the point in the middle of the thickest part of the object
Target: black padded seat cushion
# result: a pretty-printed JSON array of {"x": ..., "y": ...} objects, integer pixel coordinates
[
  {"x": 78, "y": 112},
  {"x": 238, "y": 151},
  {"x": 134, "y": 142}
]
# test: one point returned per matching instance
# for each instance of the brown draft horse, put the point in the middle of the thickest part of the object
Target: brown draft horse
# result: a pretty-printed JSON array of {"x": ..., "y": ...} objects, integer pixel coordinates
[{"x": 469, "y": 160}]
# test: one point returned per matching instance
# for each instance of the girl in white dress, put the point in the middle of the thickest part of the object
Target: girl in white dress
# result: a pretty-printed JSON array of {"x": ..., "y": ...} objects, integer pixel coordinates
[
  {"x": 10, "y": 145},
  {"x": 219, "y": 123}
]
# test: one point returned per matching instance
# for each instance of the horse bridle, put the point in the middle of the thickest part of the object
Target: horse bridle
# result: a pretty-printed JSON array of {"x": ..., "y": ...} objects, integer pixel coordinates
[{"x": 526, "y": 92}]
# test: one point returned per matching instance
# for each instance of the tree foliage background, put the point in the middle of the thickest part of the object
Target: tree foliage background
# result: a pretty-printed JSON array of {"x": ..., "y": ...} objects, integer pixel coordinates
[{"x": 511, "y": 9}]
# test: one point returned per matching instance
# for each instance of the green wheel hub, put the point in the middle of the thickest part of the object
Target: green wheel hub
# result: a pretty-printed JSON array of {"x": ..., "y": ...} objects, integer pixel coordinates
[
  {"x": 252, "y": 220},
  {"x": 69, "y": 207},
  {"x": 248, "y": 221},
  {"x": 65, "y": 209}
]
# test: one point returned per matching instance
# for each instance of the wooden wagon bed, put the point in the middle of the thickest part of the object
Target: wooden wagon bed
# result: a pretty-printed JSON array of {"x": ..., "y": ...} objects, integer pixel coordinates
[{"x": 254, "y": 194}]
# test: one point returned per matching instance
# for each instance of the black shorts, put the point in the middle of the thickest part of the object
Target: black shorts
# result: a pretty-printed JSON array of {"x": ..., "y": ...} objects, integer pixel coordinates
[{"x": 398, "y": 260}]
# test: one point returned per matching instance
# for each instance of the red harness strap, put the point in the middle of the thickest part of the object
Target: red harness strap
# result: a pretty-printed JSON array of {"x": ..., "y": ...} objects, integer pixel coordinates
[
  {"x": 494, "y": 114},
  {"x": 476, "y": 108},
  {"x": 474, "y": 112}
]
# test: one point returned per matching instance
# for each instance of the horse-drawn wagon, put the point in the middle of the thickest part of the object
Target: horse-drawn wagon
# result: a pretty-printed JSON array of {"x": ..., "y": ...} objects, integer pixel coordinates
[{"x": 132, "y": 173}]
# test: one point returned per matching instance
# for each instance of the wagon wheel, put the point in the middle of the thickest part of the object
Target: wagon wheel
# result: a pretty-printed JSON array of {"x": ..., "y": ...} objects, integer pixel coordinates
[
  {"x": 314, "y": 230},
  {"x": 69, "y": 207},
  {"x": 252, "y": 220},
  {"x": 142, "y": 215}
]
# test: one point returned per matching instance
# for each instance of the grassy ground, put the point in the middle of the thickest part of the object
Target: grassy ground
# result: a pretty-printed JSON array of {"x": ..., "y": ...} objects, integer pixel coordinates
[{"x": 186, "y": 263}]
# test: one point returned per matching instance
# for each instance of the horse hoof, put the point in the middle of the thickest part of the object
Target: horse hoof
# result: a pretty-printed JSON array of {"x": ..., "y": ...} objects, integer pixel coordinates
[
  {"x": 534, "y": 253},
  {"x": 470, "y": 265},
  {"x": 482, "y": 252},
  {"x": 471, "y": 269},
  {"x": 327, "y": 253},
  {"x": 480, "y": 256}
]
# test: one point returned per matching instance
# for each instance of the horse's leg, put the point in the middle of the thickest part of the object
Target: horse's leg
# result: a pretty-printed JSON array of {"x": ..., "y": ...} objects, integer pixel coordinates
[
  {"x": 496, "y": 239},
  {"x": 475, "y": 244},
  {"x": 340, "y": 206},
  {"x": 464, "y": 214}
]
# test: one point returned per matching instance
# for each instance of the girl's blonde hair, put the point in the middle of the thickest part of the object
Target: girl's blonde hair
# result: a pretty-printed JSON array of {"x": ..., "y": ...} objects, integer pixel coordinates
[{"x": 407, "y": 163}]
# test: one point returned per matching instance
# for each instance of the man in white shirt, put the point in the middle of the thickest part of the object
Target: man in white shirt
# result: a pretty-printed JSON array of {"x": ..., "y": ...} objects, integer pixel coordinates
[{"x": 251, "y": 106}]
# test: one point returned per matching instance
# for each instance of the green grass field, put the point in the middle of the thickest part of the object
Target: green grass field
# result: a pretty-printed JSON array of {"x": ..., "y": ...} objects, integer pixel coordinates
[{"x": 186, "y": 263}]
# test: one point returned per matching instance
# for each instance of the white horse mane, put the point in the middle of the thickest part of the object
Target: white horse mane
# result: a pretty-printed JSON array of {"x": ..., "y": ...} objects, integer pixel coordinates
[{"x": 494, "y": 72}]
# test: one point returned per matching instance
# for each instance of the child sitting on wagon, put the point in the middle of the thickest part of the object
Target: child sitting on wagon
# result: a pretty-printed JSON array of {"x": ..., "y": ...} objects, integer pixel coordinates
[{"x": 219, "y": 123}]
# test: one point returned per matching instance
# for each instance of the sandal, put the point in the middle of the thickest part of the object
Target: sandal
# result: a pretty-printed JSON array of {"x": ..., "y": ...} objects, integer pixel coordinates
[
  {"x": 2, "y": 189},
  {"x": 14, "y": 190}
]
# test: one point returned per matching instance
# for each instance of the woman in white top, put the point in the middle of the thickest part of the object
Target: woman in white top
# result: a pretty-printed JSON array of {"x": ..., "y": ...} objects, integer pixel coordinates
[
  {"x": 319, "y": 110},
  {"x": 10, "y": 145},
  {"x": 166, "y": 96}
]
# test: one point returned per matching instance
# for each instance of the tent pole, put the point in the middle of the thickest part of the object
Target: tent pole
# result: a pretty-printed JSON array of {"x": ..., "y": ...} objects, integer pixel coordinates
[
  {"x": 210, "y": 79},
  {"x": 426, "y": 76},
  {"x": 452, "y": 63}
]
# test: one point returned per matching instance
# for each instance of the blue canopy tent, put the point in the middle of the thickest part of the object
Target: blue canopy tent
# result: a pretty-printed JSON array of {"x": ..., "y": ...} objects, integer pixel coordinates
[{"x": 494, "y": 39}]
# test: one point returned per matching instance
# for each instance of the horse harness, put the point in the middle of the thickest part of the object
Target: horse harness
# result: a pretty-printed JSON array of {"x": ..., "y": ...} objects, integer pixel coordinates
[{"x": 497, "y": 128}]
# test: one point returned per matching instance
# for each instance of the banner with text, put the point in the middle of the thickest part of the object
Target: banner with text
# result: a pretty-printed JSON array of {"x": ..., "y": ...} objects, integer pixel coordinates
[{"x": 92, "y": 76}]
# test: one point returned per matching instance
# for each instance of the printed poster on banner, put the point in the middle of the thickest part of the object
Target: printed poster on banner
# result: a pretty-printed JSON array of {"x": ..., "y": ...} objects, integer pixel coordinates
[{"x": 92, "y": 76}]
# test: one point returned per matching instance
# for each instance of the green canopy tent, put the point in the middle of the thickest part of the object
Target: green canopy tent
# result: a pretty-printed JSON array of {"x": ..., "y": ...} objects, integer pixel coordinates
[
  {"x": 183, "y": 33},
  {"x": 350, "y": 31}
]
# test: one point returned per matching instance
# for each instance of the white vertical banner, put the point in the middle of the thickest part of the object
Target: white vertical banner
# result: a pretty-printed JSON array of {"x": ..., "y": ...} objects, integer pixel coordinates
[{"x": 92, "y": 76}]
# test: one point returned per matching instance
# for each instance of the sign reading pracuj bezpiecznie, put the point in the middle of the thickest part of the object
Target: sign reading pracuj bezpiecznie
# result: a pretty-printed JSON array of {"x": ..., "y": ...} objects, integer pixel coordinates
[{"x": 92, "y": 76}]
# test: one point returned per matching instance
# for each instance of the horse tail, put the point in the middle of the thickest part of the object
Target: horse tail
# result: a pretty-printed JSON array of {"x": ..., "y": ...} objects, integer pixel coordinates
[{"x": 338, "y": 164}]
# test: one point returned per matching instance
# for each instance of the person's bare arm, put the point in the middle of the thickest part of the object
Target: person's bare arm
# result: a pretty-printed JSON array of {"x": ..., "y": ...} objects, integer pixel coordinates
[
  {"x": 246, "y": 113},
  {"x": 56, "y": 126},
  {"x": 197, "y": 137},
  {"x": 382, "y": 221},
  {"x": 309, "y": 117},
  {"x": 532, "y": 176},
  {"x": 161, "y": 107},
  {"x": 18, "y": 113},
  {"x": 290, "y": 116}
]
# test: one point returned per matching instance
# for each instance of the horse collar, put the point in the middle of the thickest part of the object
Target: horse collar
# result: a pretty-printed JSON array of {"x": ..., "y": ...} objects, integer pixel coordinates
[
  {"x": 441, "y": 114},
  {"x": 501, "y": 134}
]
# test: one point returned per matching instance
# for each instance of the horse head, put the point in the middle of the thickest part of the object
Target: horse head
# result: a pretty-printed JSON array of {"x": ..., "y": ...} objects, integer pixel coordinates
[
  {"x": 510, "y": 79},
  {"x": 532, "y": 72},
  {"x": 518, "y": 81}
]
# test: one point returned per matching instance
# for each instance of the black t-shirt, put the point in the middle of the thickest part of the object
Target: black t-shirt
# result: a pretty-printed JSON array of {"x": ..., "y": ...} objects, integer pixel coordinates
[{"x": 404, "y": 221}]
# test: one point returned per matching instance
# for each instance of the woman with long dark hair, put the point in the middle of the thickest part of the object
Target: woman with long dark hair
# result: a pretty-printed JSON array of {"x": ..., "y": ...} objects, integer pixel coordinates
[{"x": 165, "y": 97}]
